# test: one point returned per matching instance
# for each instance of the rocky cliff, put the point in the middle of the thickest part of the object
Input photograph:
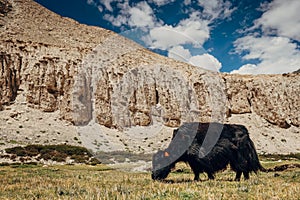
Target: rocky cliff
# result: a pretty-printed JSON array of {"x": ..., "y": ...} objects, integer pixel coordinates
[{"x": 87, "y": 74}]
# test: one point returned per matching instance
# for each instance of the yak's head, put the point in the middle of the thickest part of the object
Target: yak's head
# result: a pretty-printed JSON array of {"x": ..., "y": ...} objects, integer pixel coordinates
[{"x": 161, "y": 165}]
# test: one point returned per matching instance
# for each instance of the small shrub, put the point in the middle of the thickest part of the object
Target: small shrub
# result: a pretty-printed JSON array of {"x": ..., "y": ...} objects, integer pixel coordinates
[
  {"x": 19, "y": 151},
  {"x": 94, "y": 161},
  {"x": 32, "y": 150},
  {"x": 57, "y": 153},
  {"x": 80, "y": 158},
  {"x": 4, "y": 164},
  {"x": 54, "y": 155}
]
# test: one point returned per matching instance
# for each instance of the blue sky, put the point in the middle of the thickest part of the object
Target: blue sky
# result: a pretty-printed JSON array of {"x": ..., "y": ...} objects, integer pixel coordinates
[{"x": 237, "y": 36}]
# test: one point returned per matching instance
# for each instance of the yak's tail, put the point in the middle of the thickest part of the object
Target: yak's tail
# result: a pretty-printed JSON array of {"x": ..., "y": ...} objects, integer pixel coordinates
[
  {"x": 263, "y": 169},
  {"x": 251, "y": 156}
]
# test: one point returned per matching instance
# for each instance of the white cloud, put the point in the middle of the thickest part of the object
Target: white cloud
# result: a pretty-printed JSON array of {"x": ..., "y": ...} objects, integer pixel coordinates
[
  {"x": 91, "y": 2},
  {"x": 213, "y": 9},
  {"x": 188, "y": 31},
  {"x": 116, "y": 21},
  {"x": 275, "y": 49},
  {"x": 281, "y": 17},
  {"x": 246, "y": 69},
  {"x": 107, "y": 5},
  {"x": 193, "y": 30},
  {"x": 141, "y": 15},
  {"x": 187, "y": 2},
  {"x": 162, "y": 2},
  {"x": 277, "y": 54},
  {"x": 138, "y": 16},
  {"x": 100, "y": 8},
  {"x": 206, "y": 61},
  {"x": 179, "y": 53}
]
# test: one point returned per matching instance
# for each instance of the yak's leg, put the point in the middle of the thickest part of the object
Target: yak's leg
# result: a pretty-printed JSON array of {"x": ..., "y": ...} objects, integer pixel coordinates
[
  {"x": 196, "y": 173},
  {"x": 246, "y": 175},
  {"x": 238, "y": 176},
  {"x": 195, "y": 169},
  {"x": 196, "y": 177},
  {"x": 210, "y": 176}
]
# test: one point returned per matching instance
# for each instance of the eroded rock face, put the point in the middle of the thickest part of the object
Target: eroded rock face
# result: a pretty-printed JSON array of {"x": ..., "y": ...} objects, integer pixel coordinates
[
  {"x": 90, "y": 73},
  {"x": 40, "y": 53},
  {"x": 131, "y": 86},
  {"x": 44, "y": 75},
  {"x": 5, "y": 8},
  {"x": 273, "y": 97}
]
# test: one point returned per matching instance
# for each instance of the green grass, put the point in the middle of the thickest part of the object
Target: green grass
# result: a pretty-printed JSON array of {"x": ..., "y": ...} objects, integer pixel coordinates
[{"x": 103, "y": 182}]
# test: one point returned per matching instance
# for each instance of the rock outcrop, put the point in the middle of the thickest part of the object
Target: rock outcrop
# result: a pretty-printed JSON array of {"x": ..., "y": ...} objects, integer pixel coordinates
[
  {"x": 89, "y": 73},
  {"x": 273, "y": 97}
]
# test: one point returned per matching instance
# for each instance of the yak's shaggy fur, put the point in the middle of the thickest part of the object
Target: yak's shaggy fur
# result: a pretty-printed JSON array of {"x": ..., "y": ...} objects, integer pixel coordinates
[{"x": 233, "y": 147}]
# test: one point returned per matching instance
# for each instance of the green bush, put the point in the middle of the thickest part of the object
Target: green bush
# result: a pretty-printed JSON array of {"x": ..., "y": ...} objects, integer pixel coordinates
[
  {"x": 57, "y": 153},
  {"x": 19, "y": 151},
  {"x": 80, "y": 158}
]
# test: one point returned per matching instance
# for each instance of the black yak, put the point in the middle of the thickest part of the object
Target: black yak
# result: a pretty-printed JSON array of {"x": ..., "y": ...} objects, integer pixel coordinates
[{"x": 208, "y": 147}]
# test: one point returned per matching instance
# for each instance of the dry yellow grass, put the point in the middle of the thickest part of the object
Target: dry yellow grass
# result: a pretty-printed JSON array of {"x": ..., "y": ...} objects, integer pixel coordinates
[{"x": 102, "y": 182}]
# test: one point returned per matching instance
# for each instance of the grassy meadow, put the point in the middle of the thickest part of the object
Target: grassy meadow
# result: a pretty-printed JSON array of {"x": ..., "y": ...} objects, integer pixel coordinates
[{"x": 103, "y": 182}]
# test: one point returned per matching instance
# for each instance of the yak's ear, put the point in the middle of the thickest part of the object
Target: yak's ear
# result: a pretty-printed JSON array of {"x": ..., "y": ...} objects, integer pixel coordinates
[{"x": 166, "y": 154}]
